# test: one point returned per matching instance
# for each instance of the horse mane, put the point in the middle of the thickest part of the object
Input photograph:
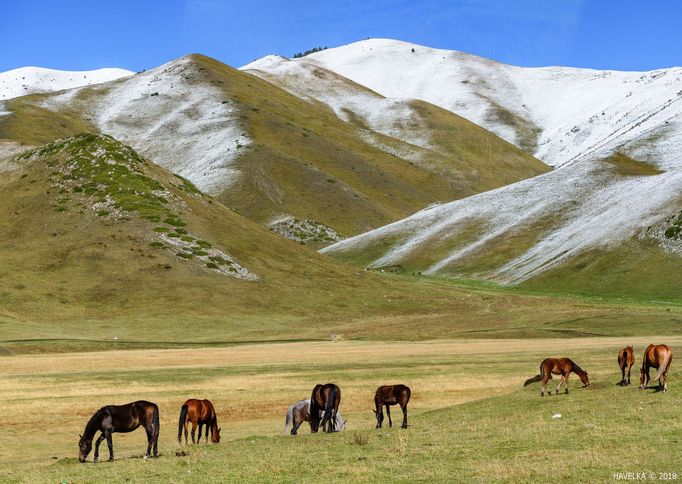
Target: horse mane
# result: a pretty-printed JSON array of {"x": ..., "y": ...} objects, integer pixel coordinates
[
  {"x": 92, "y": 425},
  {"x": 577, "y": 369}
]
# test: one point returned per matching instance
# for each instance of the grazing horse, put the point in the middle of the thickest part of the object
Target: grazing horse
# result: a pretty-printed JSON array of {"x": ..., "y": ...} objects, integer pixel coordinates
[
  {"x": 557, "y": 366},
  {"x": 299, "y": 412},
  {"x": 659, "y": 357},
  {"x": 387, "y": 395},
  {"x": 120, "y": 418},
  {"x": 325, "y": 398},
  {"x": 626, "y": 358},
  {"x": 199, "y": 412}
]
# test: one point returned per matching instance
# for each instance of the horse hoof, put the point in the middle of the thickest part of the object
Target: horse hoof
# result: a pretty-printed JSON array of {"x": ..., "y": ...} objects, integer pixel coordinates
[{"x": 146, "y": 457}]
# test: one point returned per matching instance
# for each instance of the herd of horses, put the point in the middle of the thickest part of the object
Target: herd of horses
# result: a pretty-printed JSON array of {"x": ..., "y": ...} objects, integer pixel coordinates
[
  {"x": 321, "y": 410},
  {"x": 655, "y": 356}
]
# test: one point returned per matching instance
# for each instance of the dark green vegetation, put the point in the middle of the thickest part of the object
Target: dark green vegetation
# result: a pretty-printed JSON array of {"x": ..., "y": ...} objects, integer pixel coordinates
[
  {"x": 309, "y": 51},
  {"x": 674, "y": 226}
]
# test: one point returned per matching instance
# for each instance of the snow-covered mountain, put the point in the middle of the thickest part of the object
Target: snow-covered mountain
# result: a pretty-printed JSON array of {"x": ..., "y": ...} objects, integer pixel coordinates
[
  {"x": 271, "y": 152},
  {"x": 560, "y": 114},
  {"x": 615, "y": 139},
  {"x": 29, "y": 80}
]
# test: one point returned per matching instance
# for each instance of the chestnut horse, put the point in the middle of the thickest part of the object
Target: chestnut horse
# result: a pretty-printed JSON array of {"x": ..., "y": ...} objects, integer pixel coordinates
[
  {"x": 324, "y": 398},
  {"x": 626, "y": 358},
  {"x": 557, "y": 366},
  {"x": 659, "y": 357},
  {"x": 387, "y": 395},
  {"x": 199, "y": 412},
  {"x": 120, "y": 418}
]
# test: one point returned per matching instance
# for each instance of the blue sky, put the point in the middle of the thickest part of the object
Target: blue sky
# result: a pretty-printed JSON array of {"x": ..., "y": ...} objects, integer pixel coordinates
[{"x": 139, "y": 34}]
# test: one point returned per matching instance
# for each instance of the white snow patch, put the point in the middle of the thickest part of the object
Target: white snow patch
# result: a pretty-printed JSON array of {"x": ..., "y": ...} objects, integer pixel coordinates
[
  {"x": 170, "y": 116},
  {"x": 29, "y": 80},
  {"x": 309, "y": 80}
]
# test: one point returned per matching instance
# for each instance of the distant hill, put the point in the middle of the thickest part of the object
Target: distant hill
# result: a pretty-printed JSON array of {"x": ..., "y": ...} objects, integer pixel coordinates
[{"x": 603, "y": 221}]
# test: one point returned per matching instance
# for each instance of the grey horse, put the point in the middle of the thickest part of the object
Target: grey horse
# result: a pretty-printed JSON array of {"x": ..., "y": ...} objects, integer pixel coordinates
[{"x": 299, "y": 412}]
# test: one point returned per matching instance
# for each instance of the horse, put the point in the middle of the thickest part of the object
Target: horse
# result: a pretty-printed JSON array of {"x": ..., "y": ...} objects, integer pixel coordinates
[
  {"x": 120, "y": 418},
  {"x": 387, "y": 395},
  {"x": 325, "y": 398},
  {"x": 626, "y": 358},
  {"x": 299, "y": 412},
  {"x": 659, "y": 357},
  {"x": 199, "y": 412},
  {"x": 557, "y": 366}
]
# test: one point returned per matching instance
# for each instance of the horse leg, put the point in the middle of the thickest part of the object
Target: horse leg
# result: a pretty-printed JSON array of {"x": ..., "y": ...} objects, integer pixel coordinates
[
  {"x": 194, "y": 429},
  {"x": 297, "y": 424},
  {"x": 543, "y": 388},
  {"x": 206, "y": 433},
  {"x": 201, "y": 426},
  {"x": 99, "y": 441},
  {"x": 150, "y": 440},
  {"x": 325, "y": 420},
  {"x": 566, "y": 382},
  {"x": 561, "y": 380},
  {"x": 622, "y": 379},
  {"x": 186, "y": 432},
  {"x": 110, "y": 444},
  {"x": 404, "y": 408},
  {"x": 629, "y": 370},
  {"x": 388, "y": 413}
]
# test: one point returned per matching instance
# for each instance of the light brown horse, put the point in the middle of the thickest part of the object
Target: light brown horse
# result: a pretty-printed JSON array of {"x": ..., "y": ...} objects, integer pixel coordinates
[
  {"x": 199, "y": 412},
  {"x": 387, "y": 395},
  {"x": 557, "y": 366},
  {"x": 626, "y": 358},
  {"x": 659, "y": 357}
]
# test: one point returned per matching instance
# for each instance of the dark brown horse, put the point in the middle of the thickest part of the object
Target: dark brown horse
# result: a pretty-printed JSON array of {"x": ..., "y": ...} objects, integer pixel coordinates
[
  {"x": 120, "y": 418},
  {"x": 199, "y": 412},
  {"x": 324, "y": 398},
  {"x": 388, "y": 395},
  {"x": 557, "y": 366},
  {"x": 659, "y": 357},
  {"x": 626, "y": 358}
]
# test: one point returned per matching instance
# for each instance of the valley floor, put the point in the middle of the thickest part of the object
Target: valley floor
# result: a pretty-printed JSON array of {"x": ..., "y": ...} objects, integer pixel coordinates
[{"x": 470, "y": 417}]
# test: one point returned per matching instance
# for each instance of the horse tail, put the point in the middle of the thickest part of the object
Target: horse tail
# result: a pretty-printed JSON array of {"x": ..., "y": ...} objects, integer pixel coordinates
[
  {"x": 289, "y": 418},
  {"x": 532, "y": 380},
  {"x": 663, "y": 366},
  {"x": 181, "y": 423},
  {"x": 536, "y": 377}
]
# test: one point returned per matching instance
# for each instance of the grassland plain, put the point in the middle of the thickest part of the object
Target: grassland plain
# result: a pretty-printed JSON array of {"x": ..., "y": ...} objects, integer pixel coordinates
[{"x": 498, "y": 432}]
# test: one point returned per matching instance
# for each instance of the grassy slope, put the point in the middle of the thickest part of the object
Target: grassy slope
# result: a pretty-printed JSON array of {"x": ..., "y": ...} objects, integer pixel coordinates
[
  {"x": 74, "y": 280},
  {"x": 307, "y": 162},
  {"x": 508, "y": 435},
  {"x": 637, "y": 268}
]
